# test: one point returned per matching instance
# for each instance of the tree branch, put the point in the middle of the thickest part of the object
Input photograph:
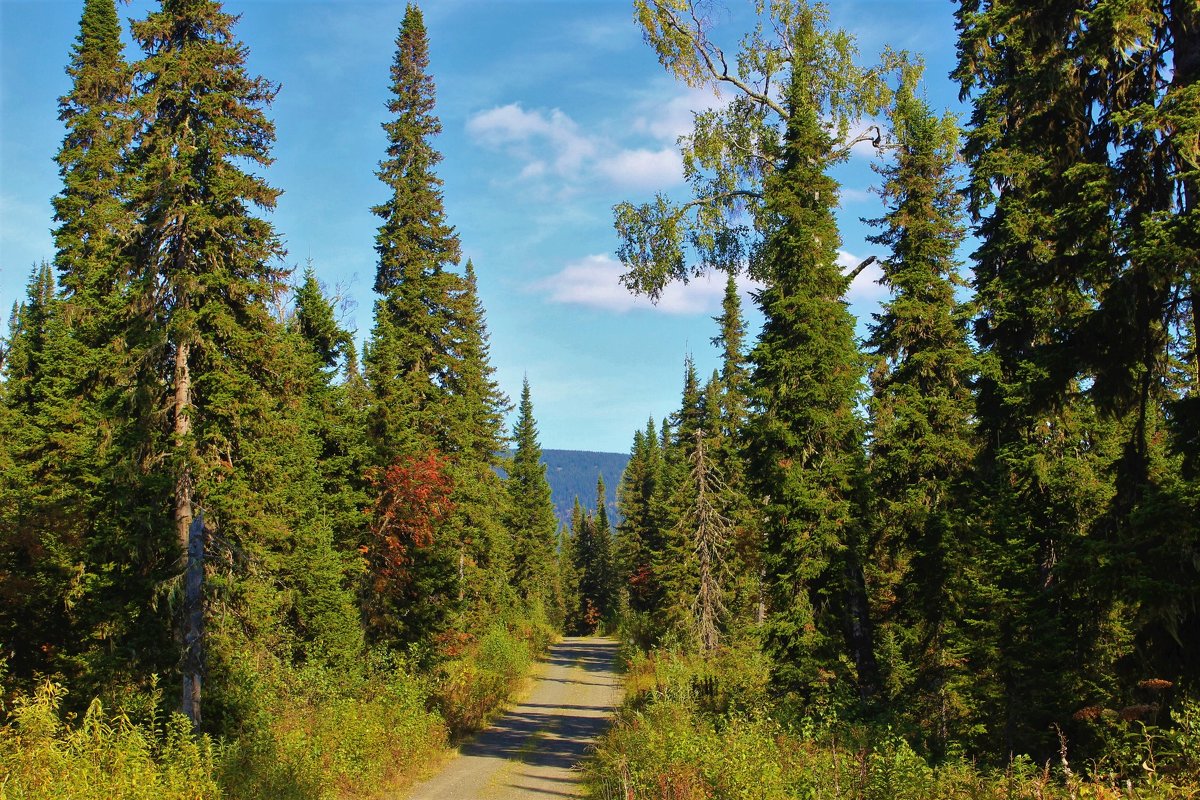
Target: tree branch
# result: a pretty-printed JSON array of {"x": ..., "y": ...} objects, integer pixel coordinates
[
  {"x": 702, "y": 46},
  {"x": 852, "y": 274}
]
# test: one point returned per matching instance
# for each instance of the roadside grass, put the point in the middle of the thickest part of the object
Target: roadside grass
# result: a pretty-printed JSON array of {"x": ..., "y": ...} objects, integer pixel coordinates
[
  {"x": 309, "y": 732},
  {"x": 696, "y": 729}
]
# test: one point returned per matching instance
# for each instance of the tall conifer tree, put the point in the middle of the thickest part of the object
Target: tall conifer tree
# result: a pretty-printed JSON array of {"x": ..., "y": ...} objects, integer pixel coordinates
[
  {"x": 94, "y": 223},
  {"x": 530, "y": 521},
  {"x": 758, "y": 173},
  {"x": 410, "y": 354},
  {"x": 1081, "y": 192},
  {"x": 922, "y": 438},
  {"x": 209, "y": 265},
  {"x": 474, "y": 433}
]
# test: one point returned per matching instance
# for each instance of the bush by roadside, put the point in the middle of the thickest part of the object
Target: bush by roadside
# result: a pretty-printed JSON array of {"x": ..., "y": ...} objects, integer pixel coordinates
[
  {"x": 311, "y": 732},
  {"x": 696, "y": 729}
]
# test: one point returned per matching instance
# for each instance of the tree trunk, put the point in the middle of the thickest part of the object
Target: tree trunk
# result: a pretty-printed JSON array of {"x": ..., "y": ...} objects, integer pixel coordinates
[
  {"x": 860, "y": 632},
  {"x": 190, "y": 533},
  {"x": 193, "y": 621}
]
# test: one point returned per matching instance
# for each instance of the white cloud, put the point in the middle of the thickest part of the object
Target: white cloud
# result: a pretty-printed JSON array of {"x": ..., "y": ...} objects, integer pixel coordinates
[
  {"x": 546, "y": 139},
  {"x": 667, "y": 121},
  {"x": 548, "y": 143},
  {"x": 594, "y": 282},
  {"x": 643, "y": 169}
]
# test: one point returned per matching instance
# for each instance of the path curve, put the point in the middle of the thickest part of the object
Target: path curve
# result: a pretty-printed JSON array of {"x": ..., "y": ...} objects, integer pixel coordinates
[{"x": 531, "y": 751}]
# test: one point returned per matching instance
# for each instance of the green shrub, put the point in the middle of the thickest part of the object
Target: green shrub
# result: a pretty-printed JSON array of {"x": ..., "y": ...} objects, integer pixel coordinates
[
  {"x": 315, "y": 733},
  {"x": 697, "y": 728},
  {"x": 44, "y": 756},
  {"x": 470, "y": 689}
]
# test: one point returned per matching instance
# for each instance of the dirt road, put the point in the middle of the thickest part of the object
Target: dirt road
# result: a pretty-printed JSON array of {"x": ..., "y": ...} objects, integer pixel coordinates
[{"x": 530, "y": 752}]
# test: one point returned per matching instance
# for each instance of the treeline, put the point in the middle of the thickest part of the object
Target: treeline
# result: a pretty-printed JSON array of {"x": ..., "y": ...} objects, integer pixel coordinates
[
  {"x": 979, "y": 525},
  {"x": 210, "y": 500},
  {"x": 572, "y": 474}
]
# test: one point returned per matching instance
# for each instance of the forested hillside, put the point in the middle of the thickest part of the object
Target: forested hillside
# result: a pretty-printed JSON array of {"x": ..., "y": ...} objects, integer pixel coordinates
[
  {"x": 573, "y": 473},
  {"x": 243, "y": 555}
]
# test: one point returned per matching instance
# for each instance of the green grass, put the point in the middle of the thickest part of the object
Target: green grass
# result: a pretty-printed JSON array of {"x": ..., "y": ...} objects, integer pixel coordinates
[
  {"x": 291, "y": 733},
  {"x": 701, "y": 730}
]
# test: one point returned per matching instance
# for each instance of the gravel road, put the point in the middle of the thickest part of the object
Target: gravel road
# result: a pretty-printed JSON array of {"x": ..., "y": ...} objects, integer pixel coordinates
[{"x": 532, "y": 750}]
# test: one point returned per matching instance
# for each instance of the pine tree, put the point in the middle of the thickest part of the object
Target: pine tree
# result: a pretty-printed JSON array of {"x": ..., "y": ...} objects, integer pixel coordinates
[
  {"x": 209, "y": 264},
  {"x": 410, "y": 355},
  {"x": 606, "y": 579},
  {"x": 922, "y": 438},
  {"x": 689, "y": 418},
  {"x": 530, "y": 521}
]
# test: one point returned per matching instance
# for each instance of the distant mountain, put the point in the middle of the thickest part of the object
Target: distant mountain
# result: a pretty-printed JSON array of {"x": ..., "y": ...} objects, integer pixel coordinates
[{"x": 573, "y": 473}]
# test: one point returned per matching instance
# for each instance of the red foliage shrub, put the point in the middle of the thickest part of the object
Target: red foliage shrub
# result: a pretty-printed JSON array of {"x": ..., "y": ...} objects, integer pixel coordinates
[{"x": 412, "y": 498}]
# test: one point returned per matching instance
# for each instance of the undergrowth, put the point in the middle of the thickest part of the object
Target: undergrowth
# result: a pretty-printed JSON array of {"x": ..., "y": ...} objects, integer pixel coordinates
[
  {"x": 700, "y": 729},
  {"x": 307, "y": 732}
]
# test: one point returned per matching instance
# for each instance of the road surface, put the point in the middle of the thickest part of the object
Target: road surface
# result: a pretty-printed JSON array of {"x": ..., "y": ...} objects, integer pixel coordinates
[{"x": 531, "y": 751}]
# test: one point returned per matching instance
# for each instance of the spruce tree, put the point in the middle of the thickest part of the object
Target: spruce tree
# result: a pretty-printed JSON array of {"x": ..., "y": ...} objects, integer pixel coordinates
[
  {"x": 332, "y": 527},
  {"x": 209, "y": 264},
  {"x": 94, "y": 223},
  {"x": 922, "y": 439},
  {"x": 730, "y": 339},
  {"x": 708, "y": 528},
  {"x": 410, "y": 354},
  {"x": 807, "y": 436},
  {"x": 45, "y": 501},
  {"x": 530, "y": 520},
  {"x": 71, "y": 363},
  {"x": 593, "y": 562},
  {"x": 757, "y": 169},
  {"x": 475, "y": 440},
  {"x": 728, "y": 453},
  {"x": 1075, "y": 173}
]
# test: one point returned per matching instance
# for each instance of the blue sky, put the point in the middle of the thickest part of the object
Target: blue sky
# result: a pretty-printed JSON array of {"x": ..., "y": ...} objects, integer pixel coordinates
[{"x": 552, "y": 112}]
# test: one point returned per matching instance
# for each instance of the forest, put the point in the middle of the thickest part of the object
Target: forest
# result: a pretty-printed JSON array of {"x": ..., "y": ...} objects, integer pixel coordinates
[{"x": 243, "y": 556}]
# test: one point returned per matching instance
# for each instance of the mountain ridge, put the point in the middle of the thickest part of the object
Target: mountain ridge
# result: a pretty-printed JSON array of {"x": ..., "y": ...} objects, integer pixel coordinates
[{"x": 573, "y": 473}]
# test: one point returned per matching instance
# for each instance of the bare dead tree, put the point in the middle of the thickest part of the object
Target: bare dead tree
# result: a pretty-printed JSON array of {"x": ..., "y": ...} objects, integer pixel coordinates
[{"x": 710, "y": 531}]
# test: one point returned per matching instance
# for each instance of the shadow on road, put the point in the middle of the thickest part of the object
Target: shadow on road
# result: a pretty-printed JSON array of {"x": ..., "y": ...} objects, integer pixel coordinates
[
  {"x": 593, "y": 657},
  {"x": 544, "y": 735}
]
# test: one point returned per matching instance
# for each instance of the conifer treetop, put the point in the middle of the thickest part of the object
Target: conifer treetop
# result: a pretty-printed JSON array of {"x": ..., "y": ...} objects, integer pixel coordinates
[{"x": 414, "y": 236}]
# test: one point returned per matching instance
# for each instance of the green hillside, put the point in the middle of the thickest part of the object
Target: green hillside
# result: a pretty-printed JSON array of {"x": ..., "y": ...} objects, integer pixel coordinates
[{"x": 572, "y": 473}]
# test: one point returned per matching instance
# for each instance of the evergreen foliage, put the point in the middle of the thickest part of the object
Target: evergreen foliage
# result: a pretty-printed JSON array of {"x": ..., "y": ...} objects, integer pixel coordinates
[
  {"x": 531, "y": 522},
  {"x": 594, "y": 573},
  {"x": 921, "y": 417},
  {"x": 408, "y": 362},
  {"x": 991, "y": 553}
]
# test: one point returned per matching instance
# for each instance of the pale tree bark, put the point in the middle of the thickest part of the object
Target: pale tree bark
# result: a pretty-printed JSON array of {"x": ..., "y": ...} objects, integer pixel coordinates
[
  {"x": 189, "y": 531},
  {"x": 711, "y": 534}
]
